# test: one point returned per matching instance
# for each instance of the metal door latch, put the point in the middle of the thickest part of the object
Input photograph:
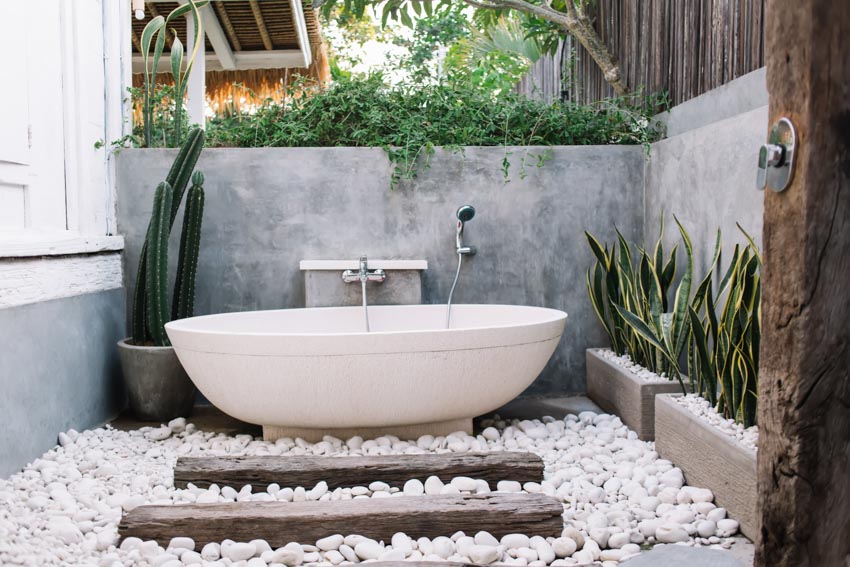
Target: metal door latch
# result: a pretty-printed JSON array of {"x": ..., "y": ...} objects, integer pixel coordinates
[{"x": 776, "y": 157}]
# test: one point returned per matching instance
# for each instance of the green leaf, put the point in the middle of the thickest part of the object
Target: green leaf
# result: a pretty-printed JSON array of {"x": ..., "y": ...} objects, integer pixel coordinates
[
  {"x": 176, "y": 61},
  {"x": 644, "y": 331},
  {"x": 683, "y": 293},
  {"x": 596, "y": 248},
  {"x": 405, "y": 17},
  {"x": 184, "y": 9}
]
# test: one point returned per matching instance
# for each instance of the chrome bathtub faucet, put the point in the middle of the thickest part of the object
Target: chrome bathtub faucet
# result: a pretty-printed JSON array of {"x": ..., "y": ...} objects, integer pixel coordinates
[{"x": 364, "y": 275}]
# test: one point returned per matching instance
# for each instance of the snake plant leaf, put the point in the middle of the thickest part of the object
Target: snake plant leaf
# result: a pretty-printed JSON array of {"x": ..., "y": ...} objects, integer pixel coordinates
[
  {"x": 597, "y": 299},
  {"x": 642, "y": 329},
  {"x": 705, "y": 366},
  {"x": 596, "y": 248},
  {"x": 683, "y": 294},
  {"x": 184, "y": 9},
  {"x": 196, "y": 38},
  {"x": 625, "y": 257},
  {"x": 752, "y": 243},
  {"x": 724, "y": 283},
  {"x": 702, "y": 288},
  {"x": 176, "y": 61}
]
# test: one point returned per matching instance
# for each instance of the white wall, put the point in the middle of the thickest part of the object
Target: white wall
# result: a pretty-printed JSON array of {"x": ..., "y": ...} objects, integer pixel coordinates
[{"x": 69, "y": 65}]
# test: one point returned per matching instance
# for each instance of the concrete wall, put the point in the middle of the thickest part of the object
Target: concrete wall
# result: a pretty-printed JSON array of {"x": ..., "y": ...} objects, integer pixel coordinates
[
  {"x": 58, "y": 371},
  {"x": 266, "y": 209},
  {"x": 705, "y": 174}
]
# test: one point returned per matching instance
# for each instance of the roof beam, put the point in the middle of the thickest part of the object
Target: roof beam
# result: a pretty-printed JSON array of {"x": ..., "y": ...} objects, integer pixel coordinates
[
  {"x": 276, "y": 59},
  {"x": 261, "y": 24},
  {"x": 212, "y": 29},
  {"x": 228, "y": 27},
  {"x": 301, "y": 29}
]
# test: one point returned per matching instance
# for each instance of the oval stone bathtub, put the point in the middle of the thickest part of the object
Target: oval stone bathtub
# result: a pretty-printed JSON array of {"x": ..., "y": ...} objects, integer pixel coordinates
[{"x": 313, "y": 372}]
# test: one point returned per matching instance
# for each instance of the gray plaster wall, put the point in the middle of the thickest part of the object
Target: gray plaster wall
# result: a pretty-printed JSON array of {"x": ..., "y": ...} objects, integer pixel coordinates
[
  {"x": 58, "y": 371},
  {"x": 706, "y": 176},
  {"x": 747, "y": 92},
  {"x": 266, "y": 209}
]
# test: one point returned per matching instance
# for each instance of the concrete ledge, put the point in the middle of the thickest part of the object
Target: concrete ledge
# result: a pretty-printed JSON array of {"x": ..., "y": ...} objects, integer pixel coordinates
[
  {"x": 355, "y": 264},
  {"x": 710, "y": 459},
  {"x": 618, "y": 391}
]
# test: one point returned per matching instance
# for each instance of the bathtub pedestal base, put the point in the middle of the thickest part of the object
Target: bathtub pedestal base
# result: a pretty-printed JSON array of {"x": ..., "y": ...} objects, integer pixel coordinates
[{"x": 404, "y": 432}]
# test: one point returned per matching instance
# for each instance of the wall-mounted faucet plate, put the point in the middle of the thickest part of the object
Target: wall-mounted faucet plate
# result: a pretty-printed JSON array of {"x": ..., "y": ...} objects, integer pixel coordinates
[{"x": 776, "y": 157}]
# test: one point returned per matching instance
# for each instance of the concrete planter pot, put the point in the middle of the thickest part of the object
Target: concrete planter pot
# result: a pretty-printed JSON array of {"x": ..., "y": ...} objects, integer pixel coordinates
[
  {"x": 157, "y": 386},
  {"x": 710, "y": 459},
  {"x": 616, "y": 390}
]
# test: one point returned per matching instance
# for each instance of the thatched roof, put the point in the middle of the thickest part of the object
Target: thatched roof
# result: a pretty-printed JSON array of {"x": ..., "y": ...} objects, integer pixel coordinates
[{"x": 258, "y": 45}]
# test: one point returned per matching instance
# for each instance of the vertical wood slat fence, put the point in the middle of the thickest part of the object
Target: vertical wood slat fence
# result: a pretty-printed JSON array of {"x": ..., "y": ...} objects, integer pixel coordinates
[{"x": 684, "y": 47}]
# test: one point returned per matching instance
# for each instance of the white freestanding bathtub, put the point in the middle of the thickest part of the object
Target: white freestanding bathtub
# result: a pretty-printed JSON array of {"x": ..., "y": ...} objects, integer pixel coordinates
[{"x": 313, "y": 372}]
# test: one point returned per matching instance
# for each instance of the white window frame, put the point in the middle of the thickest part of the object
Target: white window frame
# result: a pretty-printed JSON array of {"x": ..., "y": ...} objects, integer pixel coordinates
[{"x": 95, "y": 67}]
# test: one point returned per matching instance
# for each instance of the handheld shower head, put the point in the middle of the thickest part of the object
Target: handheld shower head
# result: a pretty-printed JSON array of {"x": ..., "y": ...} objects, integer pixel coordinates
[{"x": 465, "y": 213}]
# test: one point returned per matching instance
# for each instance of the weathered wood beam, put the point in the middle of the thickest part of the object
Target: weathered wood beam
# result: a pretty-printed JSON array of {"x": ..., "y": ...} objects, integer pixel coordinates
[
  {"x": 212, "y": 30},
  {"x": 261, "y": 24},
  {"x": 228, "y": 27},
  {"x": 150, "y": 7},
  {"x": 136, "y": 42},
  {"x": 281, "y": 522},
  {"x": 395, "y": 470},
  {"x": 804, "y": 380}
]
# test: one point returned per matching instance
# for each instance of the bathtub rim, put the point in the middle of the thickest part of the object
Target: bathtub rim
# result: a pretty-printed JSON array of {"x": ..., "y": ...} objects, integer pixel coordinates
[
  {"x": 288, "y": 344},
  {"x": 179, "y": 325}
]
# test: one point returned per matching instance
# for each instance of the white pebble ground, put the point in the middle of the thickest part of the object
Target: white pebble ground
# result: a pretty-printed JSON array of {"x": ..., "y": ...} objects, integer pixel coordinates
[
  {"x": 625, "y": 361},
  {"x": 618, "y": 496},
  {"x": 746, "y": 436}
]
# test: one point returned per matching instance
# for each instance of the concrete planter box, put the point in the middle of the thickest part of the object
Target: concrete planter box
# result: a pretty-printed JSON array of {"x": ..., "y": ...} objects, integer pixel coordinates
[
  {"x": 618, "y": 391},
  {"x": 710, "y": 459}
]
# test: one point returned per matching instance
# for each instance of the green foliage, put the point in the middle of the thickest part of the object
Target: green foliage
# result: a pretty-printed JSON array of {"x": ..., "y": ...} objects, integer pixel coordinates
[
  {"x": 495, "y": 57},
  {"x": 723, "y": 352},
  {"x": 410, "y": 120},
  {"x": 155, "y": 33},
  {"x": 630, "y": 298},
  {"x": 431, "y": 34},
  {"x": 150, "y": 300}
]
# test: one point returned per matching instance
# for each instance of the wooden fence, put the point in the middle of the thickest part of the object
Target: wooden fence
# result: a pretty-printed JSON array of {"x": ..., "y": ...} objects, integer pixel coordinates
[{"x": 684, "y": 47}]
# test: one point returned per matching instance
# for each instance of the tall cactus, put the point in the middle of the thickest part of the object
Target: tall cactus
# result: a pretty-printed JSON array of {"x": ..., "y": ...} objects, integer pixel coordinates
[
  {"x": 157, "y": 264},
  {"x": 183, "y": 304},
  {"x": 178, "y": 178}
]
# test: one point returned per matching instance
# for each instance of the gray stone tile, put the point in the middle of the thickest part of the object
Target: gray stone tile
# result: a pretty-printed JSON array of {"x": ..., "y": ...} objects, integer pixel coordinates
[{"x": 681, "y": 555}]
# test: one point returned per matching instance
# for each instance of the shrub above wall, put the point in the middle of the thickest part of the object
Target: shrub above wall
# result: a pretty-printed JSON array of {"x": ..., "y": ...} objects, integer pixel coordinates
[{"x": 409, "y": 121}]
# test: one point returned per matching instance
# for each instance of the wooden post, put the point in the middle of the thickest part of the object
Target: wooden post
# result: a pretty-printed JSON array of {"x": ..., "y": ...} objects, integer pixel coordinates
[{"x": 804, "y": 390}]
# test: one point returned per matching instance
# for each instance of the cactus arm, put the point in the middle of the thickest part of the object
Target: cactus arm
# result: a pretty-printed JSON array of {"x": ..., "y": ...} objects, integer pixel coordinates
[
  {"x": 181, "y": 171},
  {"x": 183, "y": 303},
  {"x": 139, "y": 315},
  {"x": 157, "y": 265}
]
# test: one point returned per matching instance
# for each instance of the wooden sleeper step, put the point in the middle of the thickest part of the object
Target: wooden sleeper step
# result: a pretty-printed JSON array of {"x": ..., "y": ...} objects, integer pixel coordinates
[
  {"x": 394, "y": 470},
  {"x": 379, "y": 518}
]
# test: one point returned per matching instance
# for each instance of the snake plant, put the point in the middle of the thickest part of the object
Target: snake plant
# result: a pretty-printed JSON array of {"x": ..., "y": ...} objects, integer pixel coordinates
[
  {"x": 155, "y": 33},
  {"x": 719, "y": 345},
  {"x": 623, "y": 288},
  {"x": 723, "y": 354}
]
